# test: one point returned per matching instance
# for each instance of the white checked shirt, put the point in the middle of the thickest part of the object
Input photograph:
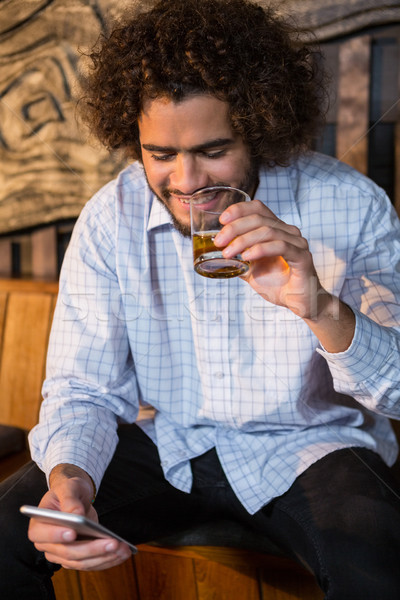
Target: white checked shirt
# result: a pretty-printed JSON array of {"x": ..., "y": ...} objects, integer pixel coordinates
[{"x": 135, "y": 325}]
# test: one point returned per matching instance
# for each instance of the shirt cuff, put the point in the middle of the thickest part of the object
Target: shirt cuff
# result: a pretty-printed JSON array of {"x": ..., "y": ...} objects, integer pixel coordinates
[
  {"x": 366, "y": 354},
  {"x": 80, "y": 458}
]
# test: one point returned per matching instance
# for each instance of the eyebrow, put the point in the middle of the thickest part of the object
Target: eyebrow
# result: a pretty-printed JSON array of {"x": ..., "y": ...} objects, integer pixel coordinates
[{"x": 217, "y": 143}]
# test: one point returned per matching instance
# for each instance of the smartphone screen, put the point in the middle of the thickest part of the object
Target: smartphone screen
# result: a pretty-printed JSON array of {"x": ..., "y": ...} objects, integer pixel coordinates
[{"x": 85, "y": 528}]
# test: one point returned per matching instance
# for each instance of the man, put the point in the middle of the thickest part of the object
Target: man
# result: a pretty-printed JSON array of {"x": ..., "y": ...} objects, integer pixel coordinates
[{"x": 271, "y": 392}]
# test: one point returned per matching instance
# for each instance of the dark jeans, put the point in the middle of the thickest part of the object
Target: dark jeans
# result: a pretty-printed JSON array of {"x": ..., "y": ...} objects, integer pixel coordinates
[{"x": 341, "y": 517}]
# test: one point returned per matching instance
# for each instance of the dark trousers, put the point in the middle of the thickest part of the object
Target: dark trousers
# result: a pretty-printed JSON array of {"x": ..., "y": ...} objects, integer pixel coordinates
[{"x": 341, "y": 517}]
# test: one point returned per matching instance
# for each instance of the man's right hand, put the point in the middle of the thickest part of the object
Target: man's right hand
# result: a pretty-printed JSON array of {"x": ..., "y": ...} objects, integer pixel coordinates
[{"x": 71, "y": 490}]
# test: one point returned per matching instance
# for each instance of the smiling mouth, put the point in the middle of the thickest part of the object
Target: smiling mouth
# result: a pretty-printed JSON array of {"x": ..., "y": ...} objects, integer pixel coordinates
[{"x": 201, "y": 200}]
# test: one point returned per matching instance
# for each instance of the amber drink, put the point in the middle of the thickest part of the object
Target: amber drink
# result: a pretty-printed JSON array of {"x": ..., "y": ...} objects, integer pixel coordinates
[
  {"x": 208, "y": 260},
  {"x": 206, "y": 206}
]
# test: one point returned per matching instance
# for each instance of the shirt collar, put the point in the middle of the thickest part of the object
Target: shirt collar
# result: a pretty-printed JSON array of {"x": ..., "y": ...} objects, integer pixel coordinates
[{"x": 159, "y": 215}]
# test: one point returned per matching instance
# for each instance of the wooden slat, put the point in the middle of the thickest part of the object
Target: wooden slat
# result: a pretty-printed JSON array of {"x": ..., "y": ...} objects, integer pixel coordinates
[
  {"x": 353, "y": 103},
  {"x": 216, "y": 581},
  {"x": 28, "y": 285},
  {"x": 44, "y": 253},
  {"x": 5, "y": 258},
  {"x": 28, "y": 320},
  {"x": 67, "y": 585},
  {"x": 118, "y": 583},
  {"x": 3, "y": 304},
  {"x": 165, "y": 577},
  {"x": 279, "y": 578},
  {"x": 24, "y": 243}
]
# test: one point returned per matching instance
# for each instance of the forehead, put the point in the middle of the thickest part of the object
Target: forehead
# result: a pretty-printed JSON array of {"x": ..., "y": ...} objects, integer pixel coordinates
[{"x": 185, "y": 123}]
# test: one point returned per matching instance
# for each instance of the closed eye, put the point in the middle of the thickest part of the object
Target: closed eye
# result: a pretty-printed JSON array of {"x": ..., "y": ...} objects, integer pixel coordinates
[
  {"x": 163, "y": 157},
  {"x": 214, "y": 154}
]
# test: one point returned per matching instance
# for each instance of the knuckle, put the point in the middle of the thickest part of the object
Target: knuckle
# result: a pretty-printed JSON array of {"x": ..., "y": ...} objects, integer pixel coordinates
[
  {"x": 264, "y": 231},
  {"x": 304, "y": 244},
  {"x": 294, "y": 230},
  {"x": 282, "y": 246},
  {"x": 257, "y": 203}
]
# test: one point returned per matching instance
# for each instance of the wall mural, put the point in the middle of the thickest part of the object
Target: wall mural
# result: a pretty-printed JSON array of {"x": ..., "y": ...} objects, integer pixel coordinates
[{"x": 48, "y": 169}]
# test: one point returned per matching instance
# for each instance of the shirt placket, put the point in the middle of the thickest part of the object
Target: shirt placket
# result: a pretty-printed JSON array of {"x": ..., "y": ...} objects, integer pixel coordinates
[{"x": 211, "y": 332}]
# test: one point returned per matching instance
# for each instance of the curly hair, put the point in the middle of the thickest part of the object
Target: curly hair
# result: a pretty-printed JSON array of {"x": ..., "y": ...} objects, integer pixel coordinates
[{"x": 233, "y": 49}]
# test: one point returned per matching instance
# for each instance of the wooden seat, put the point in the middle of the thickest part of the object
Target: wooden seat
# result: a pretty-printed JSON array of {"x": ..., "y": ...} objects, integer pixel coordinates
[
  {"x": 192, "y": 573},
  {"x": 27, "y": 315},
  {"x": 26, "y": 310}
]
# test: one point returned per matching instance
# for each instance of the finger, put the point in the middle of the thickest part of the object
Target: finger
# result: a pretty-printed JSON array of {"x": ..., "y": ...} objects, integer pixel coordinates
[
  {"x": 80, "y": 549},
  {"x": 95, "y": 565},
  {"x": 84, "y": 553},
  {"x": 92, "y": 563},
  {"x": 259, "y": 211},
  {"x": 70, "y": 499},
  {"x": 236, "y": 211},
  {"x": 293, "y": 254},
  {"x": 266, "y": 228},
  {"x": 39, "y": 532},
  {"x": 255, "y": 243}
]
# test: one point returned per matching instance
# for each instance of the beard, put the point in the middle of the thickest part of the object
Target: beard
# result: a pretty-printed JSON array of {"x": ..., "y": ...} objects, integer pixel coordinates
[{"x": 249, "y": 185}]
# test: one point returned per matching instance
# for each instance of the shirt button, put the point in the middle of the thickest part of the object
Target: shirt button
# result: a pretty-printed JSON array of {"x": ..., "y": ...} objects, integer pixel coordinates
[
  {"x": 219, "y": 375},
  {"x": 164, "y": 463}
]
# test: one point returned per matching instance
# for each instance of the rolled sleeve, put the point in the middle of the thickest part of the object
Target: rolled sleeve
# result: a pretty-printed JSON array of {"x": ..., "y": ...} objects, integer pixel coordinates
[{"x": 369, "y": 369}]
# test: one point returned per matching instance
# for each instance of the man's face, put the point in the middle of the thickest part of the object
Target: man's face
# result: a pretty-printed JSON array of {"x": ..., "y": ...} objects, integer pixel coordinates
[{"x": 191, "y": 145}]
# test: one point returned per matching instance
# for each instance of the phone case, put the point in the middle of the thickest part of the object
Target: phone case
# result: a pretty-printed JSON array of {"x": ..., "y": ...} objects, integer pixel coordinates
[{"x": 84, "y": 527}]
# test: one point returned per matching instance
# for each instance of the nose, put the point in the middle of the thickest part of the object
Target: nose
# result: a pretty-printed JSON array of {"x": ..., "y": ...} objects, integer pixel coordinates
[{"x": 187, "y": 175}]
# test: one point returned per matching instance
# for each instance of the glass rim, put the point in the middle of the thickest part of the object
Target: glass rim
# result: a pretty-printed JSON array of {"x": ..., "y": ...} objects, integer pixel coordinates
[{"x": 212, "y": 188}]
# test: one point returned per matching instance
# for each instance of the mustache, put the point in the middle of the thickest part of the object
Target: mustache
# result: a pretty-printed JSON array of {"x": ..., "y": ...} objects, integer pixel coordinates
[{"x": 168, "y": 192}]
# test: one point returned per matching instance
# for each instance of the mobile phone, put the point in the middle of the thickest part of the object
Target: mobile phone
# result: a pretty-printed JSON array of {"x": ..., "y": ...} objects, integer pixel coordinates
[{"x": 85, "y": 528}]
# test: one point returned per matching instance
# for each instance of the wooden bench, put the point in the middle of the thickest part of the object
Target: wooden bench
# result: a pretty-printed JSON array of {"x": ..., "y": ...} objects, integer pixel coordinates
[{"x": 159, "y": 573}]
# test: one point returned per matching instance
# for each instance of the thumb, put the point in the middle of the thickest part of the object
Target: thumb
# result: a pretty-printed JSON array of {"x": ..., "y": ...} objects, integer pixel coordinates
[
  {"x": 71, "y": 499},
  {"x": 72, "y": 504}
]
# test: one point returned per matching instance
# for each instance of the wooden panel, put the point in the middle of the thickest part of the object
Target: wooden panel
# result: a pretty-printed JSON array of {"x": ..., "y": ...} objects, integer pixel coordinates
[
  {"x": 353, "y": 103},
  {"x": 28, "y": 320},
  {"x": 3, "y": 304},
  {"x": 218, "y": 569},
  {"x": 67, "y": 585},
  {"x": 5, "y": 258},
  {"x": 44, "y": 253},
  {"x": 118, "y": 583},
  {"x": 165, "y": 577},
  {"x": 28, "y": 285},
  {"x": 216, "y": 581}
]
